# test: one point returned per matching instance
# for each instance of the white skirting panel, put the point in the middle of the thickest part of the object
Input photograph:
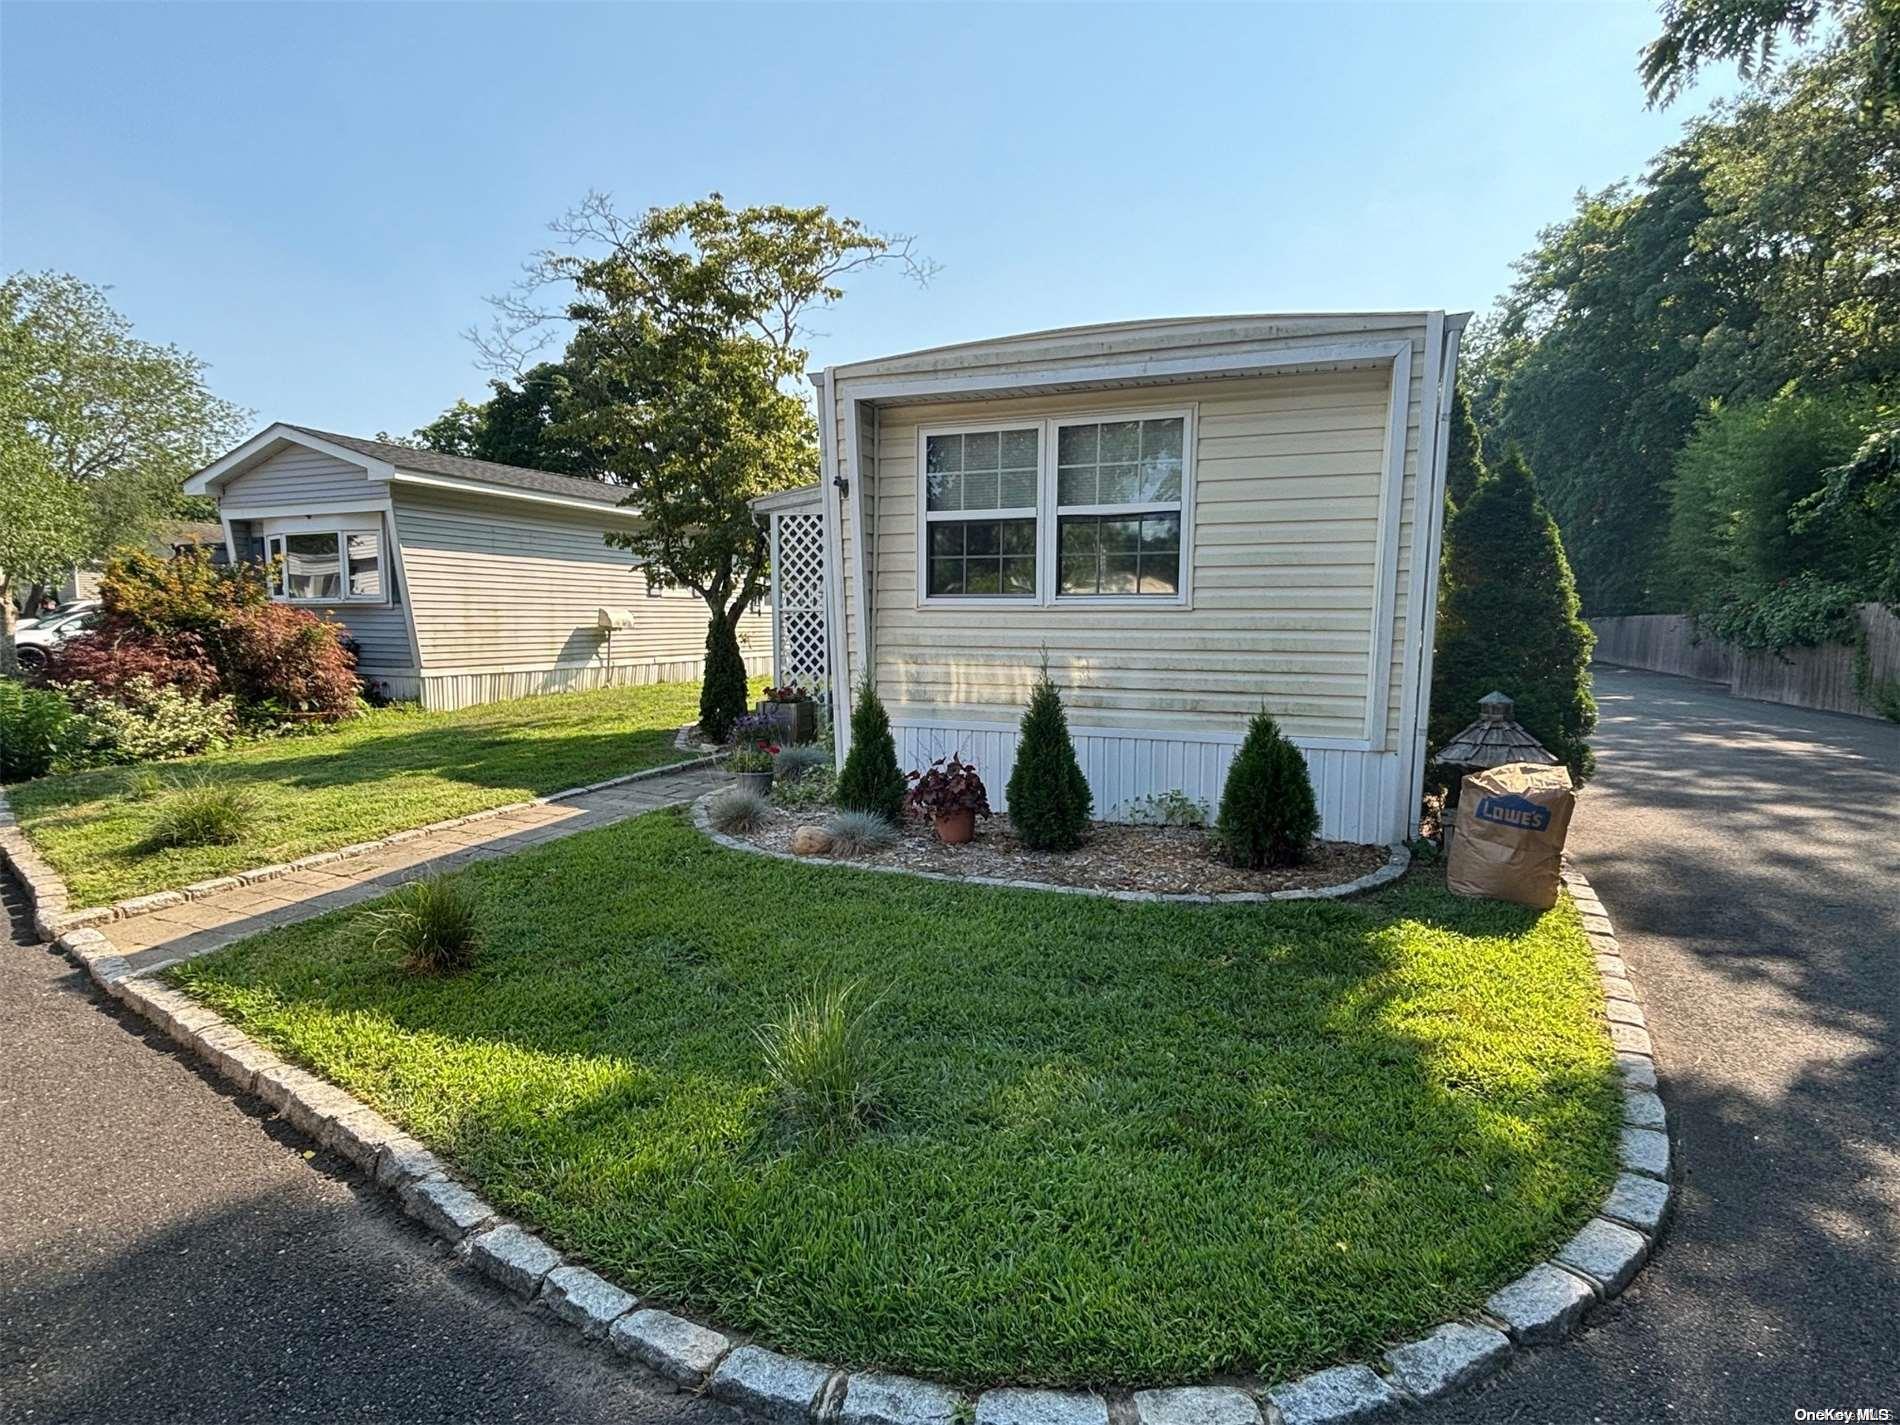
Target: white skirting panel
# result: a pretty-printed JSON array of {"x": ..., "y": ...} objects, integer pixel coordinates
[
  {"x": 444, "y": 691},
  {"x": 1358, "y": 792}
]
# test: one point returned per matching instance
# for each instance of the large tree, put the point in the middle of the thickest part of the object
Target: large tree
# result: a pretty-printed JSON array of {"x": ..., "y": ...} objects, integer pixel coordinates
[
  {"x": 1762, "y": 249},
  {"x": 686, "y": 343},
  {"x": 516, "y": 425},
  {"x": 1750, "y": 34},
  {"x": 97, "y": 433}
]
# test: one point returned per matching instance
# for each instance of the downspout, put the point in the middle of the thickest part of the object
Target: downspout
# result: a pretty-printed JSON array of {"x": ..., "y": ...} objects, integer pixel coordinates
[
  {"x": 836, "y": 663},
  {"x": 1434, "y": 552}
]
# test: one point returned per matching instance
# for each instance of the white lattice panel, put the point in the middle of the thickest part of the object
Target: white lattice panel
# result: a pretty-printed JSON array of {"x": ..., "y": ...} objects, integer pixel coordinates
[{"x": 799, "y": 649}]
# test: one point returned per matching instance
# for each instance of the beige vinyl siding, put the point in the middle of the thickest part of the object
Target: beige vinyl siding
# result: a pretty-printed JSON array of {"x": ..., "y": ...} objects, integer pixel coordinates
[
  {"x": 300, "y": 477},
  {"x": 1288, "y": 474},
  {"x": 497, "y": 585}
]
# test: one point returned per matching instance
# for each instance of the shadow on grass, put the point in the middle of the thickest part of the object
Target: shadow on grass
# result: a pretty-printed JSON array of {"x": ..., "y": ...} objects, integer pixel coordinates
[{"x": 1124, "y": 1143}]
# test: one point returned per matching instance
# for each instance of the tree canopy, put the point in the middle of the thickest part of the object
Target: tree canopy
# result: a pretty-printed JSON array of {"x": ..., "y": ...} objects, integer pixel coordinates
[
  {"x": 98, "y": 431},
  {"x": 685, "y": 331},
  {"x": 1763, "y": 249}
]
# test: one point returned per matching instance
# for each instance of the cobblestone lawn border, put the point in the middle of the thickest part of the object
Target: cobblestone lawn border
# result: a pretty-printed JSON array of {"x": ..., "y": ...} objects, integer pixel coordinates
[
  {"x": 1398, "y": 857},
  {"x": 53, "y": 915},
  {"x": 1541, "y": 1307}
]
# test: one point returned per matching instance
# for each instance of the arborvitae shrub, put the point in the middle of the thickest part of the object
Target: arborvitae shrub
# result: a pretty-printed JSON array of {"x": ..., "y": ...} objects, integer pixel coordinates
[
  {"x": 1268, "y": 816},
  {"x": 1049, "y": 800},
  {"x": 870, "y": 780},
  {"x": 722, "y": 694},
  {"x": 1509, "y": 621}
]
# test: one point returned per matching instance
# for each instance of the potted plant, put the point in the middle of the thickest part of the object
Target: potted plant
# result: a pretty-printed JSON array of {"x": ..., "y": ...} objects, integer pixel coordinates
[
  {"x": 953, "y": 796},
  {"x": 793, "y": 713},
  {"x": 752, "y": 766}
]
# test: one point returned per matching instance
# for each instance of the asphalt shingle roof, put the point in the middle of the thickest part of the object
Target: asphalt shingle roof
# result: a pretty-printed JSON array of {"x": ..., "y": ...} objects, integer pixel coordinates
[{"x": 481, "y": 472}]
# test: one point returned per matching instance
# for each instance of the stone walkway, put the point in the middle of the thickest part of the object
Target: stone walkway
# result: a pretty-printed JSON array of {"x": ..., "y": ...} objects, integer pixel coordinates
[{"x": 181, "y": 932}]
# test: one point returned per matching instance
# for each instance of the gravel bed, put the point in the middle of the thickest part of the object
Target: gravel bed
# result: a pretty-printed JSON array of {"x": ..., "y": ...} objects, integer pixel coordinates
[{"x": 1171, "y": 860}]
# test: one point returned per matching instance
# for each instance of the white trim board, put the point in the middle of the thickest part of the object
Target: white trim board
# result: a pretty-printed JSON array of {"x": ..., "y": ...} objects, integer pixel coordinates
[{"x": 1254, "y": 361}]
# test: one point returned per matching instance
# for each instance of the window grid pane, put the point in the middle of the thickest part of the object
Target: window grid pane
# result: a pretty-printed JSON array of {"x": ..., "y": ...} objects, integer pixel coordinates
[
  {"x": 1119, "y": 554},
  {"x": 981, "y": 470},
  {"x": 1120, "y": 463},
  {"x": 982, "y": 558}
]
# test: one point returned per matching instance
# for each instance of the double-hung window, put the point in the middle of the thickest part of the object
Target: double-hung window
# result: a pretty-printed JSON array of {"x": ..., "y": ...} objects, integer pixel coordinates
[
  {"x": 1065, "y": 510},
  {"x": 980, "y": 495},
  {"x": 327, "y": 566},
  {"x": 1118, "y": 507}
]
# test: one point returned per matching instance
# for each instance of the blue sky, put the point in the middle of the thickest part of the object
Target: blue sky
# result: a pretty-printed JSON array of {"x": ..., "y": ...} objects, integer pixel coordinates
[{"x": 316, "y": 198}]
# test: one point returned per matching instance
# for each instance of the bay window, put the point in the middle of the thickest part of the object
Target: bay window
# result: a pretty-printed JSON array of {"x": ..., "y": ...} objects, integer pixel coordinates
[
  {"x": 326, "y": 566},
  {"x": 1066, "y": 510}
]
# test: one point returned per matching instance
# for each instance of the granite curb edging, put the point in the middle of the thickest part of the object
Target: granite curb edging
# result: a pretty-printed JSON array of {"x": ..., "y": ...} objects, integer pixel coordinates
[
  {"x": 51, "y": 901},
  {"x": 1544, "y": 1305},
  {"x": 1398, "y": 858}
]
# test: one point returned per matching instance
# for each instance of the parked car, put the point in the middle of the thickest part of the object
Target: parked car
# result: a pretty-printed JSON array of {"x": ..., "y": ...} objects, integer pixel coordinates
[
  {"x": 34, "y": 642},
  {"x": 54, "y": 613}
]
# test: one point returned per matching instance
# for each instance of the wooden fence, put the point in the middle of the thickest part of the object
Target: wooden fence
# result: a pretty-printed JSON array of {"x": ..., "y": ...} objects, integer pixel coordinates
[{"x": 1803, "y": 677}]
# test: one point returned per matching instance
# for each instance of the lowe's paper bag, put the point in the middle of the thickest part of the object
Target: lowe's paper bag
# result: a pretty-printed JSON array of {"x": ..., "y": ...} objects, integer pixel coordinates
[{"x": 1512, "y": 821}]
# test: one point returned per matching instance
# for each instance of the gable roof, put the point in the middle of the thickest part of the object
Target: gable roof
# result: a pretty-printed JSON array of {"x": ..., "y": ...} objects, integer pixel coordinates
[
  {"x": 483, "y": 472},
  {"x": 386, "y": 462}
]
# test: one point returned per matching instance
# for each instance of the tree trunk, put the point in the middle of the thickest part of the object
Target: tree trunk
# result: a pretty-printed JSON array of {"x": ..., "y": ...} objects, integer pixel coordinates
[{"x": 9, "y": 655}]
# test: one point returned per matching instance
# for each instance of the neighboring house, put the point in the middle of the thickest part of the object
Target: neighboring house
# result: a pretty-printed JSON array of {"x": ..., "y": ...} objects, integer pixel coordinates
[
  {"x": 461, "y": 581},
  {"x": 1191, "y": 518},
  {"x": 170, "y": 537}
]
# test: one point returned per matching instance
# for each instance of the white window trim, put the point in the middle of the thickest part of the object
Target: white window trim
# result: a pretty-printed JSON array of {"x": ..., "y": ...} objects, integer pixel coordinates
[
  {"x": 1046, "y": 514},
  {"x": 339, "y": 529}
]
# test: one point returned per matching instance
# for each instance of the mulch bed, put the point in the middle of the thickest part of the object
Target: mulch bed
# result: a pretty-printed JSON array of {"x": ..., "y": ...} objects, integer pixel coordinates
[{"x": 1170, "y": 860}]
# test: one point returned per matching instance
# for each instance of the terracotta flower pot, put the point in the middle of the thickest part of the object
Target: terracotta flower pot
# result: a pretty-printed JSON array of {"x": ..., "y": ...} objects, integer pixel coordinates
[{"x": 955, "y": 827}]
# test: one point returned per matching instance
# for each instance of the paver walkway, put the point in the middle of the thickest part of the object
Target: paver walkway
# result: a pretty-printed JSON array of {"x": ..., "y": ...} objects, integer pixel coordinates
[{"x": 180, "y": 932}]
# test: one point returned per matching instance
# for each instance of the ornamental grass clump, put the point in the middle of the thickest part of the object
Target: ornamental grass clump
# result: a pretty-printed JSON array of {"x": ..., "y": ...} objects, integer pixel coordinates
[
  {"x": 820, "y": 1061},
  {"x": 1049, "y": 800},
  {"x": 1268, "y": 816},
  {"x": 432, "y": 924},
  {"x": 858, "y": 833},
  {"x": 201, "y": 813},
  {"x": 801, "y": 757},
  {"x": 737, "y": 810},
  {"x": 870, "y": 780}
]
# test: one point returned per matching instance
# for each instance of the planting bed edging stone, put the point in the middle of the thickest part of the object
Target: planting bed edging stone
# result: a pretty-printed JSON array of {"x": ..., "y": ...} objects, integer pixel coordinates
[
  {"x": 51, "y": 901},
  {"x": 1540, "y": 1307},
  {"x": 1397, "y": 859}
]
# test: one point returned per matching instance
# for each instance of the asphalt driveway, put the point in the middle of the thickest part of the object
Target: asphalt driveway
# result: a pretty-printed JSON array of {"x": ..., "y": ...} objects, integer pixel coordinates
[
  {"x": 1750, "y": 857},
  {"x": 168, "y": 1255}
]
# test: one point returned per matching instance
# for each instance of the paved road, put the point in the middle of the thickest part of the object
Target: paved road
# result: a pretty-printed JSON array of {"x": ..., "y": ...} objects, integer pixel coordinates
[
  {"x": 1750, "y": 857},
  {"x": 165, "y": 1255}
]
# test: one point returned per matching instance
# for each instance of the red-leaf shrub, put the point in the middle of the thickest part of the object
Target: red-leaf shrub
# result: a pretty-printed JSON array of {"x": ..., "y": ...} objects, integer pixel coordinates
[
  {"x": 109, "y": 658},
  {"x": 275, "y": 653}
]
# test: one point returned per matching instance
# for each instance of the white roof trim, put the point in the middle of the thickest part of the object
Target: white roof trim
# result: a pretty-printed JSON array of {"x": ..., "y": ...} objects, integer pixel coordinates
[
  {"x": 1188, "y": 331},
  {"x": 805, "y": 497},
  {"x": 1132, "y": 369},
  {"x": 266, "y": 442},
  {"x": 506, "y": 492}
]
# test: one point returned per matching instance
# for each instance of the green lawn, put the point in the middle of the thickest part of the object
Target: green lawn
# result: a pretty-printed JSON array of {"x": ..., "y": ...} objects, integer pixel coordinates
[
  {"x": 389, "y": 770},
  {"x": 1122, "y": 1143}
]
